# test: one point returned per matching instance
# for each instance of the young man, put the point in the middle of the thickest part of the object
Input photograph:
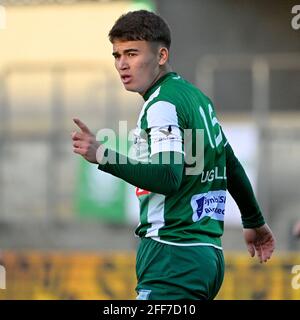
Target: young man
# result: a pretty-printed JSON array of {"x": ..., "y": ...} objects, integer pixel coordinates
[{"x": 181, "y": 207}]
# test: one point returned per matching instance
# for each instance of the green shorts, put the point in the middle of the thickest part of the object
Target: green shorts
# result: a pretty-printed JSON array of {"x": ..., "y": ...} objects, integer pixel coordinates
[{"x": 169, "y": 272}]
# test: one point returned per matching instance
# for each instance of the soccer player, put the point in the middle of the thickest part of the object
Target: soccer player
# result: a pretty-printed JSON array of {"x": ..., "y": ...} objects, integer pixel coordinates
[{"x": 182, "y": 202}]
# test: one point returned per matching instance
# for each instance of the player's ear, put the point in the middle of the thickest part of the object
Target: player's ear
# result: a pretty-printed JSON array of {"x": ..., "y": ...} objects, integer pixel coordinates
[{"x": 163, "y": 55}]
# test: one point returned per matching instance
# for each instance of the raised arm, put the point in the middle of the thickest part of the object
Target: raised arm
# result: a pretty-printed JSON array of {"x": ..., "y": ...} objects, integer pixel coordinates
[{"x": 158, "y": 177}]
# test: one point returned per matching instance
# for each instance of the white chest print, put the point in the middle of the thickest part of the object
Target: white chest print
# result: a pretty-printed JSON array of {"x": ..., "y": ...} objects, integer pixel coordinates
[{"x": 210, "y": 204}]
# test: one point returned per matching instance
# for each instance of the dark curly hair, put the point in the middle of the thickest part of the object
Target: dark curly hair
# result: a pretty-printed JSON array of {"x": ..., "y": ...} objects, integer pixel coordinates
[{"x": 141, "y": 25}]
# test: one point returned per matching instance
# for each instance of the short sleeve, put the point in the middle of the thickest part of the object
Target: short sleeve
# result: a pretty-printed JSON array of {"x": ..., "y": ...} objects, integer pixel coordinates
[{"x": 165, "y": 132}]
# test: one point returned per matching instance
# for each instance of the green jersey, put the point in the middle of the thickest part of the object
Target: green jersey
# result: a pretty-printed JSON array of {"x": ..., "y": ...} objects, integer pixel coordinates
[
  {"x": 173, "y": 112},
  {"x": 187, "y": 202}
]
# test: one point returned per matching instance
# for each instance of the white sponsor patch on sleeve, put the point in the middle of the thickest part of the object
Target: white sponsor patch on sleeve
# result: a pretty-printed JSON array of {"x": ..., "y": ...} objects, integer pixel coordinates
[{"x": 167, "y": 138}]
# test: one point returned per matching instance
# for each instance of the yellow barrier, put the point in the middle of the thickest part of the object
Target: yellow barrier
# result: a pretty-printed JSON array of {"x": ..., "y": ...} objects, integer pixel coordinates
[
  {"x": 245, "y": 278},
  {"x": 68, "y": 276},
  {"x": 64, "y": 275}
]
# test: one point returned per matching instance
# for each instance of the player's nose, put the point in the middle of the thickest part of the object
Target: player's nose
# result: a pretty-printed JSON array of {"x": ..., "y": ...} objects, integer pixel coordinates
[{"x": 123, "y": 63}]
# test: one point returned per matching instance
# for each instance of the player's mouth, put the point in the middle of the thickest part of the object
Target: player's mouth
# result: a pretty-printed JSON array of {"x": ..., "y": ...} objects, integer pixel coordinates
[{"x": 126, "y": 78}]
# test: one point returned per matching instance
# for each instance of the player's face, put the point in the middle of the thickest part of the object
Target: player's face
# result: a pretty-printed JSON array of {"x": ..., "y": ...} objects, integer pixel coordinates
[{"x": 138, "y": 63}]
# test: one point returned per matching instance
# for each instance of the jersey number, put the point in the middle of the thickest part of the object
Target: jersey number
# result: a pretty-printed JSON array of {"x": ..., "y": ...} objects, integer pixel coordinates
[{"x": 214, "y": 134}]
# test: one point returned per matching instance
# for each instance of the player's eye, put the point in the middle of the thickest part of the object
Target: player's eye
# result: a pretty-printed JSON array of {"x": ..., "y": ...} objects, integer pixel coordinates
[{"x": 116, "y": 56}]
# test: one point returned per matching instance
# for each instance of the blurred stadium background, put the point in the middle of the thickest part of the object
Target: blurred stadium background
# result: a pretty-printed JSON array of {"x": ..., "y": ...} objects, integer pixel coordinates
[{"x": 66, "y": 231}]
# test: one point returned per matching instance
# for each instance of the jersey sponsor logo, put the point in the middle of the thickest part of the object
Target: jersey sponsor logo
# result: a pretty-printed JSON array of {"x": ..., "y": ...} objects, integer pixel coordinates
[
  {"x": 210, "y": 204},
  {"x": 140, "y": 192},
  {"x": 199, "y": 209}
]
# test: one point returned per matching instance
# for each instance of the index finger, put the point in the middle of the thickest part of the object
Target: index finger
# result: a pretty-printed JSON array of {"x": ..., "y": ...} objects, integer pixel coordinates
[{"x": 82, "y": 126}]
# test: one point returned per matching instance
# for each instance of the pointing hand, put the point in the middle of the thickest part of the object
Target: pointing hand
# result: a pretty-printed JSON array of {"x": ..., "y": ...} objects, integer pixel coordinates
[{"x": 84, "y": 142}]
